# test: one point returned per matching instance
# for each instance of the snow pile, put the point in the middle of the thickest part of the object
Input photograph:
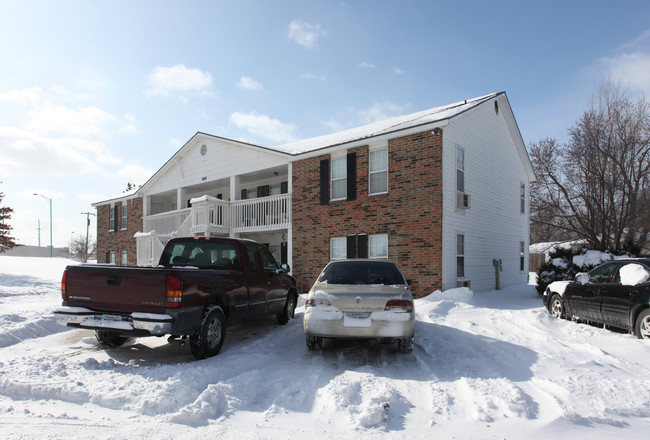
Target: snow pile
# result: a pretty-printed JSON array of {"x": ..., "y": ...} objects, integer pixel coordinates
[
  {"x": 592, "y": 258},
  {"x": 633, "y": 274},
  {"x": 488, "y": 365}
]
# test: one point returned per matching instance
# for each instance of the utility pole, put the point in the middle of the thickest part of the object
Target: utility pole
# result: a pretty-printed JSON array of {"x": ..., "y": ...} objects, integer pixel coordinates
[
  {"x": 88, "y": 214},
  {"x": 49, "y": 200}
]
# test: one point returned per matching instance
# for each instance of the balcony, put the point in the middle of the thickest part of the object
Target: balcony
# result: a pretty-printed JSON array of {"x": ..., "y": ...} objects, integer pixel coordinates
[{"x": 212, "y": 216}]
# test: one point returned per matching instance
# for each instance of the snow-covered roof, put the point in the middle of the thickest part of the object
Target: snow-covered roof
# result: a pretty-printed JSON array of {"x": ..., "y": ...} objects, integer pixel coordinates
[
  {"x": 384, "y": 127},
  {"x": 124, "y": 196}
]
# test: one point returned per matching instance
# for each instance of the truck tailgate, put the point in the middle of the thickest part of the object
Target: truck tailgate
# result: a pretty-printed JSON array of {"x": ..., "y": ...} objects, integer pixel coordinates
[{"x": 117, "y": 289}]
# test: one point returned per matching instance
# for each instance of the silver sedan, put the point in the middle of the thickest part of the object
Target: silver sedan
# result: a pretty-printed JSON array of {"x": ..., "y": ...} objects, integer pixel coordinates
[{"x": 360, "y": 299}]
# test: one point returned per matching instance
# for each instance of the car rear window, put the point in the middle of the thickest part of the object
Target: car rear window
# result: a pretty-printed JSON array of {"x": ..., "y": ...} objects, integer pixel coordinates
[
  {"x": 204, "y": 254},
  {"x": 362, "y": 272}
]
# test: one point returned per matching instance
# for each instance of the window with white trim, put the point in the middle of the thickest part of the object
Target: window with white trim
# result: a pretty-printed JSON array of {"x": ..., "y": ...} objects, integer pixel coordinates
[
  {"x": 522, "y": 198},
  {"x": 124, "y": 216},
  {"x": 522, "y": 255},
  {"x": 125, "y": 260},
  {"x": 460, "y": 255},
  {"x": 378, "y": 246},
  {"x": 339, "y": 178},
  {"x": 338, "y": 248},
  {"x": 460, "y": 169},
  {"x": 378, "y": 169},
  {"x": 111, "y": 257},
  {"x": 111, "y": 219}
]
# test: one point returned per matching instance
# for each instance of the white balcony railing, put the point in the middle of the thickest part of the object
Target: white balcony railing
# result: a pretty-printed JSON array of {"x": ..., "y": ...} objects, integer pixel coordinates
[
  {"x": 209, "y": 215},
  {"x": 166, "y": 222}
]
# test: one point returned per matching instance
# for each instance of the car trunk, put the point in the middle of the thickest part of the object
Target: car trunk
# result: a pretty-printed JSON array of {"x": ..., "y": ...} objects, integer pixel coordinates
[{"x": 353, "y": 298}]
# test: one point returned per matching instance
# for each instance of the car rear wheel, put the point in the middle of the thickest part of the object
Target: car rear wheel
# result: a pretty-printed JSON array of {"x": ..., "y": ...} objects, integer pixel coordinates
[
  {"x": 208, "y": 339},
  {"x": 110, "y": 339},
  {"x": 556, "y": 306},
  {"x": 314, "y": 342},
  {"x": 642, "y": 325},
  {"x": 405, "y": 345}
]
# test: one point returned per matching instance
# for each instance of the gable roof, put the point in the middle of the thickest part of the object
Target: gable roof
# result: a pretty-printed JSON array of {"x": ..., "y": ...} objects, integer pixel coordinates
[{"x": 375, "y": 129}]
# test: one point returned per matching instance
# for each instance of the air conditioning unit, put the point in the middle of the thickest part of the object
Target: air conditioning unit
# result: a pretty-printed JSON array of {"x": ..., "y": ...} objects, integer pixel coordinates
[
  {"x": 462, "y": 201},
  {"x": 463, "y": 283}
]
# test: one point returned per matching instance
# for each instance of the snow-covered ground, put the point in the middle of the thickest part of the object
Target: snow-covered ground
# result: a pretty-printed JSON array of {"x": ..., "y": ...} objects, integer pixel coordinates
[{"x": 489, "y": 365}]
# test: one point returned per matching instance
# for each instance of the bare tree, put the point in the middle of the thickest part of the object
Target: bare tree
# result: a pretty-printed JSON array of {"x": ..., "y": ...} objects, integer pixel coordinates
[
  {"x": 596, "y": 187},
  {"x": 78, "y": 248}
]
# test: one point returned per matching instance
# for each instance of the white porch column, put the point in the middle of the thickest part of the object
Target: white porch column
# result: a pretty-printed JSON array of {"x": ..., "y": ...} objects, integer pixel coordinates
[
  {"x": 180, "y": 198},
  {"x": 290, "y": 229},
  {"x": 146, "y": 206},
  {"x": 234, "y": 195}
]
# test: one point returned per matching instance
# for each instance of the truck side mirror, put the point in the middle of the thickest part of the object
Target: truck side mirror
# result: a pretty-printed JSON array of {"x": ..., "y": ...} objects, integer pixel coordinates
[{"x": 284, "y": 268}]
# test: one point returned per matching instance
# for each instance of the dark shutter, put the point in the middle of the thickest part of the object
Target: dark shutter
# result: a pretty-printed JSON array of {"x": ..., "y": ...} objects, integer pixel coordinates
[
  {"x": 244, "y": 194},
  {"x": 115, "y": 213},
  {"x": 362, "y": 246},
  {"x": 352, "y": 246},
  {"x": 352, "y": 176},
  {"x": 283, "y": 253},
  {"x": 324, "y": 181},
  {"x": 284, "y": 187}
]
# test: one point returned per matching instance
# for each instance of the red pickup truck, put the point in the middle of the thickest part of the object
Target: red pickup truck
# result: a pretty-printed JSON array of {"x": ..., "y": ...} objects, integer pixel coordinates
[{"x": 200, "y": 286}]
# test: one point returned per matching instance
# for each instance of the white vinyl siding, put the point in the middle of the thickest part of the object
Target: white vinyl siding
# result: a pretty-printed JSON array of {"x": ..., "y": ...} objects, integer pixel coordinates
[
  {"x": 491, "y": 170},
  {"x": 378, "y": 169}
]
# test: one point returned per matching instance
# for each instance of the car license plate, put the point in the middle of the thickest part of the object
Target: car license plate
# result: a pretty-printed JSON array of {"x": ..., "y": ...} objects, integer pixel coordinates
[
  {"x": 112, "y": 318},
  {"x": 358, "y": 315}
]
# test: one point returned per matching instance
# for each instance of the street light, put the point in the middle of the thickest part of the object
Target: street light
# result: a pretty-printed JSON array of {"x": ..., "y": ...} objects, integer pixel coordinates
[{"x": 49, "y": 200}]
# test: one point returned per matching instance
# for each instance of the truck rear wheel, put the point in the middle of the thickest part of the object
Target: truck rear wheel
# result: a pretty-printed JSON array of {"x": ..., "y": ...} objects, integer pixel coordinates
[
  {"x": 209, "y": 337},
  {"x": 109, "y": 339}
]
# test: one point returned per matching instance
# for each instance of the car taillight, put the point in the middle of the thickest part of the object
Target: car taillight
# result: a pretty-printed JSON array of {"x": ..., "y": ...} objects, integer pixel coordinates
[
  {"x": 64, "y": 278},
  {"x": 174, "y": 291},
  {"x": 313, "y": 302},
  {"x": 401, "y": 304}
]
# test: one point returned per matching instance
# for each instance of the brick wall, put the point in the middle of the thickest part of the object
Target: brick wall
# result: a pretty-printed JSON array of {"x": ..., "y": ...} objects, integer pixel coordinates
[
  {"x": 122, "y": 239},
  {"x": 411, "y": 212}
]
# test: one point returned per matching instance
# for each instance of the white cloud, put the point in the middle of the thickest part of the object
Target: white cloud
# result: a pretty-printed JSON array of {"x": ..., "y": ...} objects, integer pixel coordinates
[
  {"x": 26, "y": 153},
  {"x": 166, "y": 80},
  {"x": 129, "y": 124},
  {"x": 248, "y": 83},
  {"x": 631, "y": 65},
  {"x": 88, "y": 121},
  {"x": 312, "y": 76},
  {"x": 305, "y": 34},
  {"x": 263, "y": 125},
  {"x": 366, "y": 65},
  {"x": 397, "y": 71},
  {"x": 134, "y": 172},
  {"x": 380, "y": 111},
  {"x": 22, "y": 96}
]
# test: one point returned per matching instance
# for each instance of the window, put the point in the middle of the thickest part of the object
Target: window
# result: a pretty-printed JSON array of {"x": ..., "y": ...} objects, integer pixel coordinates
[
  {"x": 125, "y": 261},
  {"x": 339, "y": 178},
  {"x": 378, "y": 246},
  {"x": 460, "y": 169},
  {"x": 460, "y": 255},
  {"x": 522, "y": 198},
  {"x": 111, "y": 219},
  {"x": 270, "y": 266},
  {"x": 124, "y": 216},
  {"x": 253, "y": 262},
  {"x": 378, "y": 167},
  {"x": 338, "y": 248},
  {"x": 522, "y": 255},
  {"x": 111, "y": 257}
]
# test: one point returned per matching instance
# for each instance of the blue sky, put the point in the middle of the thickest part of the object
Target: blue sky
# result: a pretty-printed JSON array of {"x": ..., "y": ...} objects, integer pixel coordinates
[{"x": 95, "y": 94}]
